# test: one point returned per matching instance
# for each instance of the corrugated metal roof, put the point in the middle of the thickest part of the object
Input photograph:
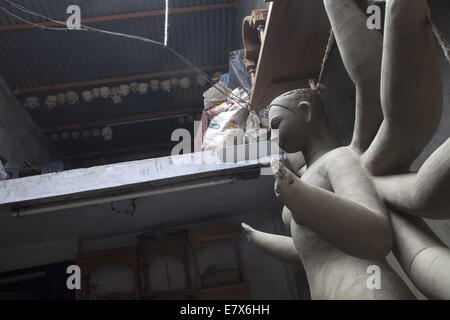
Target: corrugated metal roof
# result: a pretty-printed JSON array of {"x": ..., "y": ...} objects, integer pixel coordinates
[
  {"x": 33, "y": 57},
  {"x": 56, "y": 9},
  {"x": 39, "y": 57},
  {"x": 134, "y": 103},
  {"x": 146, "y": 133}
]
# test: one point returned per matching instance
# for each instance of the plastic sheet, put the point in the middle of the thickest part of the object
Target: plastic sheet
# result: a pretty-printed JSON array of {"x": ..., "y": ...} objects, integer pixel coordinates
[
  {"x": 263, "y": 115},
  {"x": 239, "y": 76},
  {"x": 252, "y": 128},
  {"x": 56, "y": 166},
  {"x": 228, "y": 122},
  {"x": 214, "y": 97}
]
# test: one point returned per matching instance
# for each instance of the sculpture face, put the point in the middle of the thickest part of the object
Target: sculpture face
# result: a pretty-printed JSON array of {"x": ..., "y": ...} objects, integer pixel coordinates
[
  {"x": 87, "y": 95},
  {"x": 116, "y": 96},
  {"x": 297, "y": 115},
  {"x": 61, "y": 98},
  {"x": 124, "y": 90},
  {"x": 105, "y": 92},
  {"x": 289, "y": 128},
  {"x": 72, "y": 97},
  {"x": 51, "y": 101}
]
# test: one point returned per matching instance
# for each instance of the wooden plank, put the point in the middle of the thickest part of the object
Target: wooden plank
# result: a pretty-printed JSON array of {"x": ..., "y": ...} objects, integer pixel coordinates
[
  {"x": 292, "y": 49},
  {"x": 98, "y": 82},
  {"x": 125, "y": 16},
  {"x": 117, "y": 151}
]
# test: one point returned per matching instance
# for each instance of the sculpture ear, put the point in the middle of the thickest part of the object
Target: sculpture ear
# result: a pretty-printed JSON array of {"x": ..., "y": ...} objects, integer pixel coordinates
[{"x": 306, "y": 110}]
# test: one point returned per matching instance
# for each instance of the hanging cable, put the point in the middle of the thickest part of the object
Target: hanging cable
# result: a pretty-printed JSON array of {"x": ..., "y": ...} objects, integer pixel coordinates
[
  {"x": 330, "y": 44},
  {"x": 129, "y": 212},
  {"x": 29, "y": 22},
  {"x": 223, "y": 90}
]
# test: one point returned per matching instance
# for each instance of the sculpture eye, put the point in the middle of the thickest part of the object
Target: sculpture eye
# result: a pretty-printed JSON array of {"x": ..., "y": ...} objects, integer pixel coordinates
[{"x": 275, "y": 123}]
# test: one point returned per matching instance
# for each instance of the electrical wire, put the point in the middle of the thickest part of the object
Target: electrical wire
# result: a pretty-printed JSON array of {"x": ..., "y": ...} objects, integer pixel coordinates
[
  {"x": 224, "y": 91},
  {"x": 29, "y": 22},
  {"x": 129, "y": 212}
]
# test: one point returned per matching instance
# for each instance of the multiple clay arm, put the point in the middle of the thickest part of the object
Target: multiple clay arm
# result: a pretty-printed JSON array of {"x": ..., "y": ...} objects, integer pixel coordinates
[
  {"x": 424, "y": 258},
  {"x": 425, "y": 193},
  {"x": 361, "y": 51},
  {"x": 411, "y": 102},
  {"x": 411, "y": 89},
  {"x": 352, "y": 219}
]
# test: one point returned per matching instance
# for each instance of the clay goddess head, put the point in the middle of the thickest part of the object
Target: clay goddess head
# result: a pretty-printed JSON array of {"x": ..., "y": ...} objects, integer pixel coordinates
[{"x": 297, "y": 114}]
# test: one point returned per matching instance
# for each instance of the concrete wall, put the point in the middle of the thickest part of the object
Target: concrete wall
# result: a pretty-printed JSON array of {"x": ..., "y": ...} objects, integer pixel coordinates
[{"x": 20, "y": 139}]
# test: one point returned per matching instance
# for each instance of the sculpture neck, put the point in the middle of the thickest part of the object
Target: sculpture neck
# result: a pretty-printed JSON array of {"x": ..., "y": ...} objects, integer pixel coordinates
[{"x": 320, "y": 143}]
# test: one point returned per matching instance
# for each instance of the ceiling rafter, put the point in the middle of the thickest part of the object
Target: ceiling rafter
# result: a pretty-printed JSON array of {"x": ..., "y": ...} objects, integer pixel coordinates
[
  {"x": 105, "y": 122},
  {"x": 125, "y": 16},
  {"x": 117, "y": 151},
  {"x": 98, "y": 82}
]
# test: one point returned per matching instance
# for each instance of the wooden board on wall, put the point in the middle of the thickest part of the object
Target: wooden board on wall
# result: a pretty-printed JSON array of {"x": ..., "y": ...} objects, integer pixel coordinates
[{"x": 296, "y": 35}]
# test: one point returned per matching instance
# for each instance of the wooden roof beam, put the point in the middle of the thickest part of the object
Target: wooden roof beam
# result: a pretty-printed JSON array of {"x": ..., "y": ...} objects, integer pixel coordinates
[
  {"x": 105, "y": 122},
  {"x": 118, "y": 151},
  {"x": 99, "y": 82}
]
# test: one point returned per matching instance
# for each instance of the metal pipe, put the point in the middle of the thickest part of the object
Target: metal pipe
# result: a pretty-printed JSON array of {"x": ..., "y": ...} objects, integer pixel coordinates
[{"x": 17, "y": 213}]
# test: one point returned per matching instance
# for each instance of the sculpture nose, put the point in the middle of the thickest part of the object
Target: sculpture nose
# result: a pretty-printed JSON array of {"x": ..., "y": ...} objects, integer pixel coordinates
[{"x": 273, "y": 135}]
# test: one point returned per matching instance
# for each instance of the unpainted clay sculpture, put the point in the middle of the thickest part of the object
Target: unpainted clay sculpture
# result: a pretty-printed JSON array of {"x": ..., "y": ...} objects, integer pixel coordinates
[{"x": 337, "y": 207}]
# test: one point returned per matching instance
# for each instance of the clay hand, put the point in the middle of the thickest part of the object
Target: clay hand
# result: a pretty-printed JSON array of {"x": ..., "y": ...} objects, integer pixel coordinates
[
  {"x": 283, "y": 177},
  {"x": 250, "y": 231},
  {"x": 287, "y": 189}
]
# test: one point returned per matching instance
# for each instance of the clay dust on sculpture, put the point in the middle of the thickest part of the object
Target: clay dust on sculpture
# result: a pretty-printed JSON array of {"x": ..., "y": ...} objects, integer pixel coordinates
[{"x": 351, "y": 206}]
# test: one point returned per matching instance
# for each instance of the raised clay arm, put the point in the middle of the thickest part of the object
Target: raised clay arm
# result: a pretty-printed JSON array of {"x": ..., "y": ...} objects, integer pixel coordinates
[
  {"x": 423, "y": 257},
  {"x": 411, "y": 89},
  {"x": 280, "y": 247},
  {"x": 361, "y": 51},
  {"x": 356, "y": 224},
  {"x": 424, "y": 194}
]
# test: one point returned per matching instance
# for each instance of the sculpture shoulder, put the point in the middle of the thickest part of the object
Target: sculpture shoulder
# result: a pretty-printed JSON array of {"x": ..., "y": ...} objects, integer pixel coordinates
[
  {"x": 342, "y": 170},
  {"x": 342, "y": 160},
  {"x": 335, "y": 160},
  {"x": 342, "y": 154},
  {"x": 349, "y": 179},
  {"x": 316, "y": 176}
]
